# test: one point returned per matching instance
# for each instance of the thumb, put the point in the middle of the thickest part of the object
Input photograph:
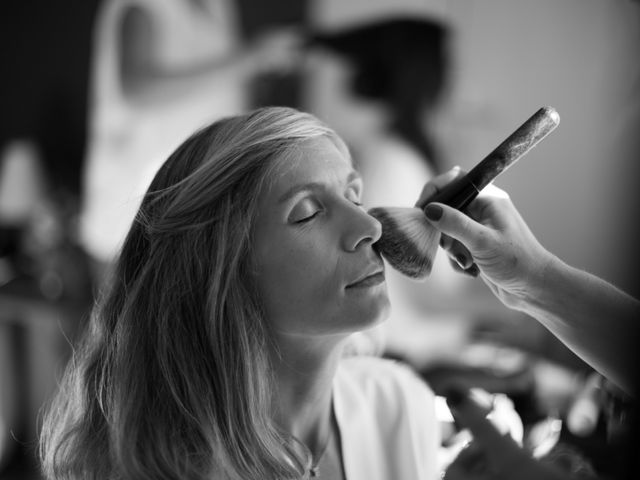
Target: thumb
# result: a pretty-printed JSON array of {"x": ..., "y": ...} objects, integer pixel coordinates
[{"x": 457, "y": 225}]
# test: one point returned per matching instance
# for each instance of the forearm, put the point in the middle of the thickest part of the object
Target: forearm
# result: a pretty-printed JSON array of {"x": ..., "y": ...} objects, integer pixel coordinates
[{"x": 596, "y": 320}]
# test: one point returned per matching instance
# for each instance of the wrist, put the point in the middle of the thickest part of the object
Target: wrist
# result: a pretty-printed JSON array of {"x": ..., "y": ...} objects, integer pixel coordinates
[{"x": 538, "y": 285}]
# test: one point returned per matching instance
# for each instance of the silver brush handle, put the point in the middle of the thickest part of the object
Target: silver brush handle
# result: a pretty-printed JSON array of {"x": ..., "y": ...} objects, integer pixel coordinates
[{"x": 461, "y": 192}]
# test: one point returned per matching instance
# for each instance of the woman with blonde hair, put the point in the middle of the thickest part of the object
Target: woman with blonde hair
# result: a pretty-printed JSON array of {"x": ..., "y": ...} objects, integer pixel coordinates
[{"x": 217, "y": 348}]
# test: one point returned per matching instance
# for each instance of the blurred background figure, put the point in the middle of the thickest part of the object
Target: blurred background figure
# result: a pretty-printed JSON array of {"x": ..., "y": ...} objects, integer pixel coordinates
[
  {"x": 161, "y": 69},
  {"x": 393, "y": 74}
]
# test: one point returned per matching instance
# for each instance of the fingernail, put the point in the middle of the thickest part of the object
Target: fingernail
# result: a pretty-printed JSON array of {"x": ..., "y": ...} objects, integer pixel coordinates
[
  {"x": 473, "y": 270},
  {"x": 455, "y": 396},
  {"x": 433, "y": 212}
]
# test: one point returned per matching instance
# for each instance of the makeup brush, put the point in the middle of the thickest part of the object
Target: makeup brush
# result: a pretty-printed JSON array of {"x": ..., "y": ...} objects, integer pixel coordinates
[{"x": 409, "y": 242}]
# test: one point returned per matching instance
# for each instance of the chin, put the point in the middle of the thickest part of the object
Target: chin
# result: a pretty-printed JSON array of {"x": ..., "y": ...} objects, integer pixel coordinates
[{"x": 377, "y": 311}]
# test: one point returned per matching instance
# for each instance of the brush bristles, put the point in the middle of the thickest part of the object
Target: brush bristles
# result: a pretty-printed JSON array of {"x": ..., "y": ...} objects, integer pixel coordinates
[{"x": 408, "y": 242}]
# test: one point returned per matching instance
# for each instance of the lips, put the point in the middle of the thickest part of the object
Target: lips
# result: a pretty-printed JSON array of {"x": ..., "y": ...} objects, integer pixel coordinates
[{"x": 375, "y": 277}]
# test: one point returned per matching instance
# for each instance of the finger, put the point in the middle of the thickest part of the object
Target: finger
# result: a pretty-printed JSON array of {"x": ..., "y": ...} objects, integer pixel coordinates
[
  {"x": 487, "y": 197},
  {"x": 472, "y": 270},
  {"x": 446, "y": 241},
  {"x": 436, "y": 184},
  {"x": 458, "y": 252},
  {"x": 457, "y": 225},
  {"x": 455, "y": 265},
  {"x": 493, "y": 191}
]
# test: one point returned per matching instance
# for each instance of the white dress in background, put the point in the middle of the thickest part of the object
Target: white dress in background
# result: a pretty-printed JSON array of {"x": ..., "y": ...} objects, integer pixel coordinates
[{"x": 128, "y": 143}]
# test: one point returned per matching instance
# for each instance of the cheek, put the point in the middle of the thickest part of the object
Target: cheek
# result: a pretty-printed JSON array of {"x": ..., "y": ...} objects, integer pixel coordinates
[{"x": 298, "y": 282}]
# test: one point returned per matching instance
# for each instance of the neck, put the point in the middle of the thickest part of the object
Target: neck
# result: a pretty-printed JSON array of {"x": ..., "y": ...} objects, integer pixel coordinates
[{"x": 304, "y": 370}]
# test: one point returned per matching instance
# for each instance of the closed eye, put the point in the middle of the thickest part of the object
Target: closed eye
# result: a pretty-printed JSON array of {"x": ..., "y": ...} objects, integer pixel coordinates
[
  {"x": 305, "y": 210},
  {"x": 307, "y": 219}
]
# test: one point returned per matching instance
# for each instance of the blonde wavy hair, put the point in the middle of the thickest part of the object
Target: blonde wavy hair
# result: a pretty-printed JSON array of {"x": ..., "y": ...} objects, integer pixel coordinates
[{"x": 172, "y": 378}]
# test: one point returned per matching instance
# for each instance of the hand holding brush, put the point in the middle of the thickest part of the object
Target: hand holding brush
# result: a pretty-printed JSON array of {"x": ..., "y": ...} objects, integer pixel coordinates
[
  {"x": 493, "y": 237},
  {"x": 592, "y": 317},
  {"x": 409, "y": 242}
]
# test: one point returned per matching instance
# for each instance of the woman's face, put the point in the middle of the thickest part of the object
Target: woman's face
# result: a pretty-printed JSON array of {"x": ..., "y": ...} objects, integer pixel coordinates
[{"x": 317, "y": 271}]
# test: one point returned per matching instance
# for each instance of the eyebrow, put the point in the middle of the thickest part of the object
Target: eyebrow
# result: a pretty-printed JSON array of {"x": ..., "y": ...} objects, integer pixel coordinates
[{"x": 313, "y": 186}]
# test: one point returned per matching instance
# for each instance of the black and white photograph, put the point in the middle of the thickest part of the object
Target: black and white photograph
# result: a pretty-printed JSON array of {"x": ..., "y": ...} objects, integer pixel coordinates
[{"x": 319, "y": 240}]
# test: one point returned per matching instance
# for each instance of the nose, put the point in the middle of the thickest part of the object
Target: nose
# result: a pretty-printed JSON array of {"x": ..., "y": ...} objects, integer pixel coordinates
[{"x": 361, "y": 229}]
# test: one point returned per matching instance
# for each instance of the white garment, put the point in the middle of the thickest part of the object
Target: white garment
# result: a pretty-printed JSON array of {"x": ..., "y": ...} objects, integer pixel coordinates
[
  {"x": 387, "y": 421},
  {"x": 128, "y": 143}
]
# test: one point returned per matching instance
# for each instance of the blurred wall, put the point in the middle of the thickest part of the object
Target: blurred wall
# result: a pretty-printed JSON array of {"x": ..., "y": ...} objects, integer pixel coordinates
[{"x": 577, "y": 189}]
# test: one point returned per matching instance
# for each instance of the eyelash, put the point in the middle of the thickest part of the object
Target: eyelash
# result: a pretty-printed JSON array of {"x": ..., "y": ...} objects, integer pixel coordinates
[
  {"x": 307, "y": 219},
  {"x": 311, "y": 217}
]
